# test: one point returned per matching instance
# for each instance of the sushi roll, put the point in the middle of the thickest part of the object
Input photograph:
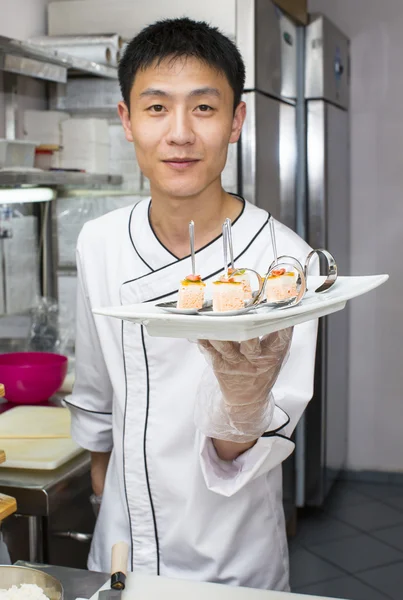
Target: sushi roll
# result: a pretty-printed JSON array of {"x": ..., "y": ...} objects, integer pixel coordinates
[
  {"x": 191, "y": 292},
  {"x": 228, "y": 294},
  {"x": 243, "y": 278},
  {"x": 281, "y": 285}
]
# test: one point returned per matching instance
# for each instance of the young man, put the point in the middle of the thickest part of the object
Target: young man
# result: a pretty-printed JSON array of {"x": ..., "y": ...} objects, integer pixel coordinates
[{"x": 186, "y": 452}]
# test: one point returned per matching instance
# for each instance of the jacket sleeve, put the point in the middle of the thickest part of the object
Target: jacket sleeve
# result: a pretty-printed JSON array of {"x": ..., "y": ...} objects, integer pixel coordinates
[
  {"x": 291, "y": 394},
  {"x": 91, "y": 401}
]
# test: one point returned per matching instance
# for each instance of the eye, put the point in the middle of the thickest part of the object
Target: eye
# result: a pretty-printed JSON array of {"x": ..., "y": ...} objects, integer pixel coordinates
[
  {"x": 205, "y": 108},
  {"x": 156, "y": 108}
]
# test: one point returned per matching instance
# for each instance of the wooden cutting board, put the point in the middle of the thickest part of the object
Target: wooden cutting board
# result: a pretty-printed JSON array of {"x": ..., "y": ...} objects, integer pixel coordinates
[
  {"x": 8, "y": 506},
  {"x": 2, "y": 456},
  {"x": 35, "y": 422},
  {"x": 43, "y": 440}
]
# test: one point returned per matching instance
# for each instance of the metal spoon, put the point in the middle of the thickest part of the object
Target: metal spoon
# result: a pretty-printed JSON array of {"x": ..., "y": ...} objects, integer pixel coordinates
[{"x": 192, "y": 246}]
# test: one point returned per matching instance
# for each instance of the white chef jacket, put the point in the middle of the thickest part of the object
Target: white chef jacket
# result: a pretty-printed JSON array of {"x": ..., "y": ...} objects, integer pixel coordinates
[{"x": 184, "y": 512}]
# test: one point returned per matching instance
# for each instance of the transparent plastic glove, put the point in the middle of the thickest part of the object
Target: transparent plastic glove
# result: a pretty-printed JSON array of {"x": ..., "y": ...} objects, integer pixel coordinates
[{"x": 234, "y": 401}]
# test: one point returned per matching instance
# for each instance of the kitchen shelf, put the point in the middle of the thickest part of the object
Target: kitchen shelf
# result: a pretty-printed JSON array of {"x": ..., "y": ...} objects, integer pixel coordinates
[
  {"x": 57, "y": 178},
  {"x": 27, "y": 59}
]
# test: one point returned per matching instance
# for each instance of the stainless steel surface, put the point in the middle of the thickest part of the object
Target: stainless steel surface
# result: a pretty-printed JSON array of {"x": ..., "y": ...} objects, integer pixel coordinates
[
  {"x": 48, "y": 286},
  {"x": 35, "y": 535},
  {"x": 269, "y": 156},
  {"x": 328, "y": 226},
  {"x": 59, "y": 178},
  {"x": 230, "y": 244},
  {"x": 50, "y": 506},
  {"x": 35, "y": 61},
  {"x": 74, "y": 535},
  {"x": 10, "y": 104},
  {"x": 248, "y": 149},
  {"x": 294, "y": 487},
  {"x": 273, "y": 240},
  {"x": 110, "y": 595},
  {"x": 225, "y": 248},
  {"x": 22, "y": 65},
  {"x": 316, "y": 173},
  {"x": 36, "y": 490},
  {"x": 26, "y": 50},
  {"x": 16, "y": 575},
  {"x": 76, "y": 582},
  {"x": 331, "y": 270},
  {"x": 284, "y": 262},
  {"x": 267, "y": 41},
  {"x": 300, "y": 118},
  {"x": 327, "y": 62}
]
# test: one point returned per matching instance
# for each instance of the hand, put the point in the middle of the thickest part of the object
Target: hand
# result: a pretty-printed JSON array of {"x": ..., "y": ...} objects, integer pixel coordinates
[{"x": 247, "y": 371}]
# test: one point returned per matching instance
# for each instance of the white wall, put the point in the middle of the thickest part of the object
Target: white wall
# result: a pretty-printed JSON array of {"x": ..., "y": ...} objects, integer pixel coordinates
[
  {"x": 376, "y": 338},
  {"x": 21, "y": 19}
]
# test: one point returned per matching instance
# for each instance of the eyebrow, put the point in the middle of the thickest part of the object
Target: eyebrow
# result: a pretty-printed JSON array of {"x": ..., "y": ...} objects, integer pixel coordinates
[{"x": 205, "y": 91}]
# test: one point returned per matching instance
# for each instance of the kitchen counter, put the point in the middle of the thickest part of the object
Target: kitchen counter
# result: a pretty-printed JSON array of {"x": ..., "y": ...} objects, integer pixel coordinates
[
  {"x": 77, "y": 583},
  {"x": 54, "y": 520},
  {"x": 84, "y": 584},
  {"x": 35, "y": 490}
]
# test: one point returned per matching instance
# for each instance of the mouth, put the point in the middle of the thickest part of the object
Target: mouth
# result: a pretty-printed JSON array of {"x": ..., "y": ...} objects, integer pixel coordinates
[{"x": 181, "y": 163}]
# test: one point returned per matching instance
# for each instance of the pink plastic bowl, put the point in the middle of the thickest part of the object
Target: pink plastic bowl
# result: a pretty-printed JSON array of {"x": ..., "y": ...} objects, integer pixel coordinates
[{"x": 32, "y": 377}]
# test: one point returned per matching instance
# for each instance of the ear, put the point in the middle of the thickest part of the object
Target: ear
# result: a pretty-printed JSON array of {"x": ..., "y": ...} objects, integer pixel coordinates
[
  {"x": 124, "y": 115},
  {"x": 237, "y": 122}
]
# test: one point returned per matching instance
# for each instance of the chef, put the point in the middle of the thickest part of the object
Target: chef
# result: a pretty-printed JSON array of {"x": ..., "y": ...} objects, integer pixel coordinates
[{"x": 186, "y": 438}]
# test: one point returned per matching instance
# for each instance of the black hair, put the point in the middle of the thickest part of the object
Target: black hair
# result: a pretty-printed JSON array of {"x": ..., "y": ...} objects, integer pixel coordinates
[{"x": 176, "y": 38}]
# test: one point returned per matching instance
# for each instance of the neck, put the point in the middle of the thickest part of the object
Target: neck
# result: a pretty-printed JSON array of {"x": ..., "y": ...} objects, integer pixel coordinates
[{"x": 170, "y": 217}]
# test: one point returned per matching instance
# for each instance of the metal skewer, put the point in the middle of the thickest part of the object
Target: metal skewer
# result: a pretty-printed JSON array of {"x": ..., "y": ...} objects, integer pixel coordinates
[
  {"x": 192, "y": 246},
  {"x": 273, "y": 239},
  {"x": 230, "y": 246},
  {"x": 225, "y": 248}
]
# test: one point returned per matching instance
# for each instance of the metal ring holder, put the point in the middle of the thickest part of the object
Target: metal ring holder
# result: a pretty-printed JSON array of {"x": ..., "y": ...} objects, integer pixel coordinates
[
  {"x": 331, "y": 269},
  {"x": 276, "y": 264},
  {"x": 256, "y": 299},
  {"x": 290, "y": 260}
]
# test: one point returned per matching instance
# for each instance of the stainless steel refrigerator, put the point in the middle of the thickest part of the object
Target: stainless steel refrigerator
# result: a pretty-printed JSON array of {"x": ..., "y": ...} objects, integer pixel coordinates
[
  {"x": 294, "y": 162},
  {"x": 268, "y": 148},
  {"x": 322, "y": 447}
]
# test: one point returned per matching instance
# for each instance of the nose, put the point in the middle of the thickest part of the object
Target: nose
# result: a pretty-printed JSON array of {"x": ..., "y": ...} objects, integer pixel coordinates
[{"x": 180, "y": 128}]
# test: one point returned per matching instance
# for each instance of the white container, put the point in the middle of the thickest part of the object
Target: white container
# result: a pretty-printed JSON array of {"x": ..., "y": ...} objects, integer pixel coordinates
[
  {"x": 44, "y": 125},
  {"x": 90, "y": 157},
  {"x": 17, "y": 153},
  {"x": 82, "y": 131}
]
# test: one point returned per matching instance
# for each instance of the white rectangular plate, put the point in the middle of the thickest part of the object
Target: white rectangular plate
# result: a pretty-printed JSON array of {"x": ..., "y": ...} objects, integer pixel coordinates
[{"x": 247, "y": 326}]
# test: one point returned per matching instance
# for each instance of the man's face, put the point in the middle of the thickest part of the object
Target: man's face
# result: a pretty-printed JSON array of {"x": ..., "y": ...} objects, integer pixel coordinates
[{"x": 181, "y": 121}]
